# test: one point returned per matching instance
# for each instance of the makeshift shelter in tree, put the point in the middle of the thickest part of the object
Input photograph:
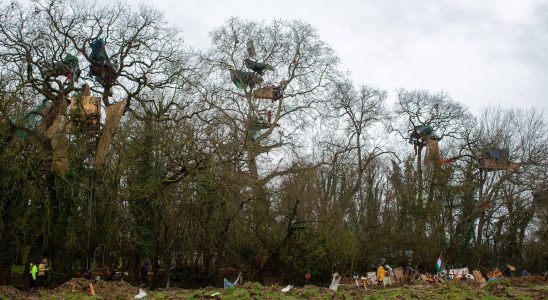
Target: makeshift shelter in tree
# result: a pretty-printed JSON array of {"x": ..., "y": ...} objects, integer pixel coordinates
[
  {"x": 493, "y": 159},
  {"x": 101, "y": 68},
  {"x": 68, "y": 67},
  {"x": 51, "y": 39},
  {"x": 248, "y": 81}
]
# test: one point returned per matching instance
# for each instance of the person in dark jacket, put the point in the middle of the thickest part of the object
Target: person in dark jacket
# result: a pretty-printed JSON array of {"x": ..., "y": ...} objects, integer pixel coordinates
[{"x": 145, "y": 270}]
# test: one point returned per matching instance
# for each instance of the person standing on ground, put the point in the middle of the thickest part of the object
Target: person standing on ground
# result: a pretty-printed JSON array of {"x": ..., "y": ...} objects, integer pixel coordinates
[
  {"x": 33, "y": 272},
  {"x": 307, "y": 277},
  {"x": 42, "y": 267},
  {"x": 380, "y": 275},
  {"x": 145, "y": 269}
]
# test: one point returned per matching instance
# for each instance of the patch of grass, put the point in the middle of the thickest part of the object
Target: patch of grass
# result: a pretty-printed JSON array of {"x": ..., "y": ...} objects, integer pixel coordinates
[
  {"x": 159, "y": 295},
  {"x": 308, "y": 293},
  {"x": 16, "y": 269}
]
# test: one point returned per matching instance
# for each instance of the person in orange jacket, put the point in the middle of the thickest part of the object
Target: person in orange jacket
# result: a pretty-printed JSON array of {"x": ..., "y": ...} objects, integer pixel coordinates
[
  {"x": 380, "y": 275},
  {"x": 42, "y": 268}
]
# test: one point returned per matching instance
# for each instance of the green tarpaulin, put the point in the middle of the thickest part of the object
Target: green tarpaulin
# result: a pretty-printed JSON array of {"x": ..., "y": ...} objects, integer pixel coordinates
[
  {"x": 243, "y": 79},
  {"x": 30, "y": 121},
  {"x": 98, "y": 52},
  {"x": 257, "y": 66}
]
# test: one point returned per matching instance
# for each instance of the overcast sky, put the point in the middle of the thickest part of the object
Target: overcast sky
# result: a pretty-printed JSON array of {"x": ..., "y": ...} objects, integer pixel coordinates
[{"x": 480, "y": 52}]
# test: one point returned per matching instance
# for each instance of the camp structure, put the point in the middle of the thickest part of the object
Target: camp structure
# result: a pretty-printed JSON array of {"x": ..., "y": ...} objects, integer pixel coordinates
[
  {"x": 98, "y": 51},
  {"x": 101, "y": 67},
  {"x": 262, "y": 120},
  {"x": 493, "y": 159},
  {"x": 258, "y": 119},
  {"x": 424, "y": 136},
  {"x": 421, "y": 133},
  {"x": 68, "y": 67},
  {"x": 242, "y": 79},
  {"x": 87, "y": 108},
  {"x": 271, "y": 92}
]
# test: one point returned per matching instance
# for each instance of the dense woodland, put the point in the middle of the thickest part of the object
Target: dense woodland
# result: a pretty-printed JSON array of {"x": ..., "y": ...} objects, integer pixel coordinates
[{"x": 191, "y": 183}]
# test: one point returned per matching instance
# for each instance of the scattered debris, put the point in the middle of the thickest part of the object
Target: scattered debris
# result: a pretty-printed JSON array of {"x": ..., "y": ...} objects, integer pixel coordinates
[
  {"x": 362, "y": 282},
  {"x": 287, "y": 289},
  {"x": 495, "y": 274},
  {"x": 142, "y": 294},
  {"x": 228, "y": 284},
  {"x": 335, "y": 282},
  {"x": 478, "y": 277},
  {"x": 372, "y": 276},
  {"x": 459, "y": 273},
  {"x": 91, "y": 289}
]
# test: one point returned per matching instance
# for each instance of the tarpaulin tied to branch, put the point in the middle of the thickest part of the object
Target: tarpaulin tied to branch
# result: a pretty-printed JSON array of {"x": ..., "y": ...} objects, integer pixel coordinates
[
  {"x": 101, "y": 67},
  {"x": 421, "y": 133},
  {"x": 114, "y": 114},
  {"x": 69, "y": 67},
  {"x": 424, "y": 129},
  {"x": 257, "y": 66},
  {"x": 243, "y": 79},
  {"x": 71, "y": 63},
  {"x": 32, "y": 119},
  {"x": 98, "y": 51}
]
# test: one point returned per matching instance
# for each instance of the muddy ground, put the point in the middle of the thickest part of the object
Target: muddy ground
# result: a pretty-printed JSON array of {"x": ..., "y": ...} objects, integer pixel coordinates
[{"x": 520, "y": 288}]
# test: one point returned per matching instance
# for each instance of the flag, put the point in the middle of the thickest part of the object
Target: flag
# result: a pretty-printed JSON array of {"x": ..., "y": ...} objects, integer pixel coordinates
[{"x": 438, "y": 264}]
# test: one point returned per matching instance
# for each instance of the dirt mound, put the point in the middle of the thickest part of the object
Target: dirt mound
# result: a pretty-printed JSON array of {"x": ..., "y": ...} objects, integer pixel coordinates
[
  {"x": 10, "y": 292},
  {"x": 531, "y": 279},
  {"x": 104, "y": 289}
]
